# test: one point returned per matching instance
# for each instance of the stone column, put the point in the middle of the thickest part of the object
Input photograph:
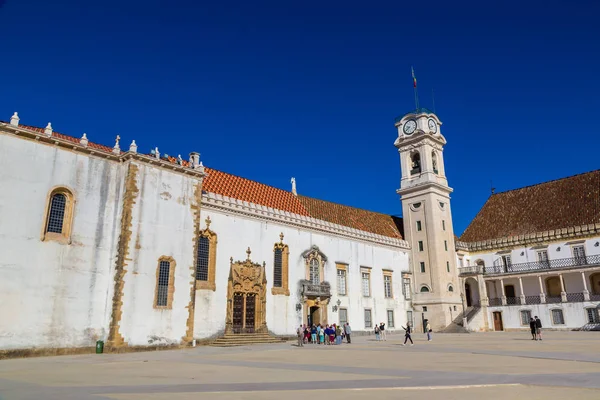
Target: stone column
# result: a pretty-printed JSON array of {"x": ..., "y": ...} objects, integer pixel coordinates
[
  {"x": 483, "y": 295},
  {"x": 503, "y": 293},
  {"x": 586, "y": 293},
  {"x": 563, "y": 294},
  {"x": 522, "y": 292},
  {"x": 542, "y": 293}
]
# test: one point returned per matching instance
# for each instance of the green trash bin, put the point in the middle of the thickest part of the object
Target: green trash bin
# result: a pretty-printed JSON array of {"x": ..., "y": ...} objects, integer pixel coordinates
[{"x": 99, "y": 347}]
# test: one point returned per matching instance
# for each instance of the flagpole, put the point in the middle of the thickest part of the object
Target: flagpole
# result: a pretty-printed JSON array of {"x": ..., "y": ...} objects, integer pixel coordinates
[{"x": 412, "y": 70}]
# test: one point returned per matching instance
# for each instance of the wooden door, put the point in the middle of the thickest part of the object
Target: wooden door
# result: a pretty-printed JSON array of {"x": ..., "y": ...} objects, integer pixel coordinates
[
  {"x": 498, "y": 321},
  {"x": 468, "y": 294},
  {"x": 238, "y": 312},
  {"x": 250, "y": 312}
]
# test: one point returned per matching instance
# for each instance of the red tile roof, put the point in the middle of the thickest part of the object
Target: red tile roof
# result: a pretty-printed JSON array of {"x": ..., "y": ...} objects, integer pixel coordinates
[
  {"x": 236, "y": 187},
  {"x": 563, "y": 203}
]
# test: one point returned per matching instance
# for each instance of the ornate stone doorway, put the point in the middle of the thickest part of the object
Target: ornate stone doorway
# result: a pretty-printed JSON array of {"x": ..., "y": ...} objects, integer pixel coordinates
[{"x": 246, "y": 297}]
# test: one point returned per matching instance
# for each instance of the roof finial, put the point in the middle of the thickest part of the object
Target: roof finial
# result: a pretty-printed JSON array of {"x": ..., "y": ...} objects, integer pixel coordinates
[
  {"x": 14, "y": 120},
  {"x": 492, "y": 188},
  {"x": 133, "y": 147},
  {"x": 248, "y": 252},
  {"x": 281, "y": 237},
  {"x": 179, "y": 159},
  {"x": 117, "y": 149},
  {"x": 294, "y": 187},
  {"x": 48, "y": 130},
  {"x": 208, "y": 221},
  {"x": 156, "y": 153},
  {"x": 84, "y": 140}
]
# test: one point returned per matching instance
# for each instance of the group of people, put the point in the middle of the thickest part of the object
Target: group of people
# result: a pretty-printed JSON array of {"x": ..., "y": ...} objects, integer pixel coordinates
[
  {"x": 380, "y": 332},
  {"x": 536, "y": 328},
  {"x": 327, "y": 335}
]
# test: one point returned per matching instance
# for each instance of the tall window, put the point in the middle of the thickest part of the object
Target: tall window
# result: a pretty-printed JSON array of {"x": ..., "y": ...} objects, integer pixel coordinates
[
  {"x": 281, "y": 254},
  {"x": 419, "y": 227},
  {"x": 277, "y": 268},
  {"x": 542, "y": 256},
  {"x": 387, "y": 285},
  {"x": 443, "y": 225},
  {"x": 366, "y": 284},
  {"x": 343, "y": 316},
  {"x": 368, "y": 320},
  {"x": 314, "y": 272},
  {"x": 341, "y": 281},
  {"x": 202, "y": 261},
  {"x": 206, "y": 254},
  {"x": 446, "y": 245},
  {"x": 422, "y": 264},
  {"x": 506, "y": 262},
  {"x": 406, "y": 290},
  {"x": 409, "y": 318},
  {"x": 59, "y": 215},
  {"x": 448, "y": 266},
  {"x": 579, "y": 255},
  {"x": 557, "y": 317},
  {"x": 525, "y": 317},
  {"x": 390, "y": 318},
  {"x": 165, "y": 276},
  {"x": 420, "y": 245}
]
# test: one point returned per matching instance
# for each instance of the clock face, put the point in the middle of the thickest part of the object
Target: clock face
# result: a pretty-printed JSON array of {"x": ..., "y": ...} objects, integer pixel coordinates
[
  {"x": 432, "y": 125},
  {"x": 409, "y": 127}
]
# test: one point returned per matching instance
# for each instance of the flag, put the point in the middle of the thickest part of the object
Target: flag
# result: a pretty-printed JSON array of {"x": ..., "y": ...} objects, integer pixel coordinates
[{"x": 414, "y": 77}]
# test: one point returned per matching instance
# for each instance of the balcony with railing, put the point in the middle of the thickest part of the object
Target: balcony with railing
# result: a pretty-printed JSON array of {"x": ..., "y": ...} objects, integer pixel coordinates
[
  {"x": 539, "y": 299},
  {"x": 470, "y": 270},
  {"x": 309, "y": 289},
  {"x": 536, "y": 266}
]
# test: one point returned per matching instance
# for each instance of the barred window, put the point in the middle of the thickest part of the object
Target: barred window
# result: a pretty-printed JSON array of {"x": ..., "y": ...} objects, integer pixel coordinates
[
  {"x": 314, "y": 272},
  {"x": 387, "y": 285},
  {"x": 202, "y": 259},
  {"x": 56, "y": 215},
  {"x": 278, "y": 268},
  {"x": 341, "y": 282},
  {"x": 162, "y": 288},
  {"x": 368, "y": 322},
  {"x": 406, "y": 288},
  {"x": 366, "y": 284},
  {"x": 592, "y": 315},
  {"x": 390, "y": 318},
  {"x": 525, "y": 317},
  {"x": 558, "y": 317}
]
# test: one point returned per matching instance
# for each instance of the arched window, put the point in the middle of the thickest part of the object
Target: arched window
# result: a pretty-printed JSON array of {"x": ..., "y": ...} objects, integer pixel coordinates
[
  {"x": 415, "y": 159},
  {"x": 59, "y": 215},
  {"x": 434, "y": 162},
  {"x": 424, "y": 289},
  {"x": 450, "y": 288},
  {"x": 206, "y": 254},
  {"x": 165, "y": 283},
  {"x": 280, "y": 268}
]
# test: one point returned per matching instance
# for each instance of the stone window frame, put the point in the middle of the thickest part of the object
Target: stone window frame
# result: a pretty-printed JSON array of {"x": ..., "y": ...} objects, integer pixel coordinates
[
  {"x": 315, "y": 254},
  {"x": 562, "y": 313},
  {"x": 424, "y": 287},
  {"x": 208, "y": 284},
  {"x": 370, "y": 317},
  {"x": 422, "y": 268},
  {"x": 365, "y": 270},
  {"x": 171, "y": 290},
  {"x": 393, "y": 321},
  {"x": 388, "y": 272},
  {"x": 525, "y": 310},
  {"x": 342, "y": 267},
  {"x": 450, "y": 288},
  {"x": 67, "y": 228},
  {"x": 284, "y": 289}
]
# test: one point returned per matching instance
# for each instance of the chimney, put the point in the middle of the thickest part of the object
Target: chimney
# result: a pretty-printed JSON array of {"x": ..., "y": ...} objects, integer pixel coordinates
[{"x": 14, "y": 120}]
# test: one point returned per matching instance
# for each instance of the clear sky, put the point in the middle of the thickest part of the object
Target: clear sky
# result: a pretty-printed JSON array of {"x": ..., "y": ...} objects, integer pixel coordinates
[{"x": 311, "y": 89}]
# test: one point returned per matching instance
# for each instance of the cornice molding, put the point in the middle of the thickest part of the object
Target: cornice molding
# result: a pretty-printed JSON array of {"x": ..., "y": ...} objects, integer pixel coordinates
[
  {"x": 581, "y": 231},
  {"x": 27, "y": 134},
  {"x": 216, "y": 202}
]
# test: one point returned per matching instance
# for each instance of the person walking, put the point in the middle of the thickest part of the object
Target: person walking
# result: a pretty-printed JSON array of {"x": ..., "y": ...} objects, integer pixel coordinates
[
  {"x": 377, "y": 332},
  {"x": 300, "y": 334},
  {"x": 348, "y": 331},
  {"x": 407, "y": 334},
  {"x": 533, "y": 329},
  {"x": 382, "y": 331},
  {"x": 538, "y": 328},
  {"x": 428, "y": 329}
]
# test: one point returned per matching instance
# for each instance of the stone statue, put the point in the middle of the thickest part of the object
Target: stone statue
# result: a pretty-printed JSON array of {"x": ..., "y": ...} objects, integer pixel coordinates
[{"x": 293, "y": 181}]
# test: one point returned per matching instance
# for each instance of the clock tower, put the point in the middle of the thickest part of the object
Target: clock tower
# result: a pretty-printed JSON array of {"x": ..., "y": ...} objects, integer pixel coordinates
[{"x": 427, "y": 217}]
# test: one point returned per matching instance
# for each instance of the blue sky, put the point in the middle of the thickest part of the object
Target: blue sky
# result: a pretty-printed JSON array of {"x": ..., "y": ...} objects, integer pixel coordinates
[{"x": 270, "y": 90}]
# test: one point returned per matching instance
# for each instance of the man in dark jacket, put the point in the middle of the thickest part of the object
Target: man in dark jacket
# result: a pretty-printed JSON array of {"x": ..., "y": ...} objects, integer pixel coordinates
[
  {"x": 533, "y": 328},
  {"x": 538, "y": 328}
]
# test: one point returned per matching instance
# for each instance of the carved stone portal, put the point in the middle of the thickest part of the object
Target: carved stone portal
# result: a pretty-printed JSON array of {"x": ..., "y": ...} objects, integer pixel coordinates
[{"x": 246, "y": 297}]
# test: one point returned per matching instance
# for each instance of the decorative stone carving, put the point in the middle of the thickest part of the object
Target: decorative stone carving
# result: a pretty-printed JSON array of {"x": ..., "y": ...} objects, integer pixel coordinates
[{"x": 246, "y": 277}]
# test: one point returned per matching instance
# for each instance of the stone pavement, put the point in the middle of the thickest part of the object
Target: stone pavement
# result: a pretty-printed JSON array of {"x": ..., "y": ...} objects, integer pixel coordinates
[{"x": 452, "y": 366}]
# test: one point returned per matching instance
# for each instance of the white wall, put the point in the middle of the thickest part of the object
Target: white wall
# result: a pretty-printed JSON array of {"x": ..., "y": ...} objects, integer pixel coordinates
[
  {"x": 55, "y": 295},
  {"x": 237, "y": 233},
  {"x": 575, "y": 315},
  {"x": 162, "y": 225}
]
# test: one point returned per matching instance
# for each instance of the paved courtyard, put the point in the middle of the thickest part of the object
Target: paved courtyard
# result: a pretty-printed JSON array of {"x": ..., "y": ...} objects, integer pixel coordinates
[{"x": 473, "y": 366}]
